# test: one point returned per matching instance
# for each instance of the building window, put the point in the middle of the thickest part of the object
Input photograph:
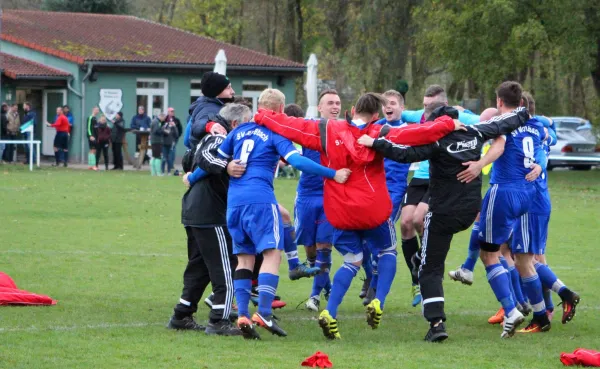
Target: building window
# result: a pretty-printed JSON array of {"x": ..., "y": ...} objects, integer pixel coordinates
[
  {"x": 251, "y": 91},
  {"x": 195, "y": 90},
  {"x": 153, "y": 95}
]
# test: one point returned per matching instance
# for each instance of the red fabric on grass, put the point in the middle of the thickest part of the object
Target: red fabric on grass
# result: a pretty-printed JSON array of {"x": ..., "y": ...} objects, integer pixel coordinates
[
  {"x": 11, "y": 295},
  {"x": 581, "y": 356},
  {"x": 319, "y": 359}
]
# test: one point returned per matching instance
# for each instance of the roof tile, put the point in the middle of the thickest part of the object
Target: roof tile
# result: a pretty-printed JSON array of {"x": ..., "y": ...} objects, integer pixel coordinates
[
  {"x": 84, "y": 37},
  {"x": 14, "y": 67}
]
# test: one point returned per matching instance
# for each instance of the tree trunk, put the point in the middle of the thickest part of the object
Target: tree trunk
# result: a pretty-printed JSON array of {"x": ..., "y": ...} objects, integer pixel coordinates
[{"x": 596, "y": 71}]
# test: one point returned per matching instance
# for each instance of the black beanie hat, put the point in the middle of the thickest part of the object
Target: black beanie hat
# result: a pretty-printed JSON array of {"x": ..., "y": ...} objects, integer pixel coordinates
[{"x": 213, "y": 84}]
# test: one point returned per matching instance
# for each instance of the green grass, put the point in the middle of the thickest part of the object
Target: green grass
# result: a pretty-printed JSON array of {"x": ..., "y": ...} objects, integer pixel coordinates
[{"x": 110, "y": 248}]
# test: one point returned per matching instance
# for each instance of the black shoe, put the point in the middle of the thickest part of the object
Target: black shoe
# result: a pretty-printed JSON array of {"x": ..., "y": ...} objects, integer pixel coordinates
[
  {"x": 303, "y": 271},
  {"x": 65, "y": 165},
  {"x": 223, "y": 328},
  {"x": 437, "y": 333},
  {"x": 185, "y": 324},
  {"x": 369, "y": 297},
  {"x": 365, "y": 288}
]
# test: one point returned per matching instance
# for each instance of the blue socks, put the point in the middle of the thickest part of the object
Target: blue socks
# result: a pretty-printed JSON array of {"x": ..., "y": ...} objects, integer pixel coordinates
[
  {"x": 267, "y": 288},
  {"x": 387, "y": 268},
  {"x": 321, "y": 280},
  {"x": 533, "y": 289},
  {"x": 375, "y": 277},
  {"x": 242, "y": 285},
  {"x": 510, "y": 284},
  {"x": 548, "y": 278},
  {"x": 548, "y": 299},
  {"x": 290, "y": 247},
  {"x": 473, "y": 249},
  {"x": 516, "y": 284},
  {"x": 499, "y": 281},
  {"x": 341, "y": 281},
  {"x": 367, "y": 265}
]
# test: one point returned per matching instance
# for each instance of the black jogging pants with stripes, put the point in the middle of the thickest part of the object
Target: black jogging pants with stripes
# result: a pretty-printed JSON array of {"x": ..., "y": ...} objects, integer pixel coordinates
[
  {"x": 437, "y": 236},
  {"x": 210, "y": 260}
]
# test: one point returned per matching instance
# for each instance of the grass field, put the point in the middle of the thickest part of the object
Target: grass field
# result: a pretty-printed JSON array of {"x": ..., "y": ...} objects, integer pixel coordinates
[{"x": 110, "y": 248}]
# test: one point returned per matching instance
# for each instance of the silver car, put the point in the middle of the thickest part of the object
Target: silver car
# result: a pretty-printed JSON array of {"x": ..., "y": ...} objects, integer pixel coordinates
[{"x": 576, "y": 146}]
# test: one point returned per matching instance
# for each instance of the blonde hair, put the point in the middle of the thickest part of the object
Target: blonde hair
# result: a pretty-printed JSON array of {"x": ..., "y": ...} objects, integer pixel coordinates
[
  {"x": 271, "y": 99},
  {"x": 395, "y": 94}
]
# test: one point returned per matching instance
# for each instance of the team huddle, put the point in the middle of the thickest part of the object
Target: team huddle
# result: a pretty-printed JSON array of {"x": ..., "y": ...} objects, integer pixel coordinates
[{"x": 352, "y": 191}]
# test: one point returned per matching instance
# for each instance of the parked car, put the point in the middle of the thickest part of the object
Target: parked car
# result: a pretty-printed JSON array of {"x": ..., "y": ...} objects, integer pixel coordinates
[{"x": 576, "y": 146}]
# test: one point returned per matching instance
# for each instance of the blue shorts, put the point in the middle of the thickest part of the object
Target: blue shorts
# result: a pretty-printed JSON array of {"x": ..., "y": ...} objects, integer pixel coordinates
[
  {"x": 530, "y": 234},
  {"x": 351, "y": 243},
  {"x": 397, "y": 199},
  {"x": 311, "y": 225},
  {"x": 255, "y": 228},
  {"x": 502, "y": 206}
]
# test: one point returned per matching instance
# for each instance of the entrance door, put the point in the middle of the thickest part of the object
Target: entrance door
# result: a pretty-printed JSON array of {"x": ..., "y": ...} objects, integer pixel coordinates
[
  {"x": 52, "y": 100},
  {"x": 251, "y": 91},
  {"x": 152, "y": 94}
]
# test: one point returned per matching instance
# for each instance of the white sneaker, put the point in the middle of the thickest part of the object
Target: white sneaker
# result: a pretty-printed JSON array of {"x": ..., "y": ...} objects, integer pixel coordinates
[
  {"x": 313, "y": 304},
  {"x": 512, "y": 323},
  {"x": 462, "y": 275}
]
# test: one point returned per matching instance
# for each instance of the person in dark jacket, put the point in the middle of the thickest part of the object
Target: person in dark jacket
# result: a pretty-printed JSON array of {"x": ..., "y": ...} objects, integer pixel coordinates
[
  {"x": 3, "y": 124},
  {"x": 30, "y": 116},
  {"x": 217, "y": 91},
  {"x": 210, "y": 253},
  {"x": 453, "y": 205},
  {"x": 102, "y": 140},
  {"x": 116, "y": 137},
  {"x": 172, "y": 118},
  {"x": 156, "y": 140},
  {"x": 141, "y": 120},
  {"x": 71, "y": 119},
  {"x": 171, "y": 134}
]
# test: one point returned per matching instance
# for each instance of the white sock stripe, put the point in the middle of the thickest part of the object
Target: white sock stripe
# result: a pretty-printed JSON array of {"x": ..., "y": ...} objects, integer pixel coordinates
[
  {"x": 292, "y": 255},
  {"x": 556, "y": 286},
  {"x": 433, "y": 299},
  {"x": 186, "y": 303},
  {"x": 541, "y": 306},
  {"x": 220, "y": 307},
  {"x": 495, "y": 272}
]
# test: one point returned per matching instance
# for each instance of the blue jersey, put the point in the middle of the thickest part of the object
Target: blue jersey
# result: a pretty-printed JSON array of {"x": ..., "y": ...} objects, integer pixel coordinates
[
  {"x": 395, "y": 173},
  {"x": 310, "y": 184},
  {"x": 520, "y": 150},
  {"x": 260, "y": 149}
]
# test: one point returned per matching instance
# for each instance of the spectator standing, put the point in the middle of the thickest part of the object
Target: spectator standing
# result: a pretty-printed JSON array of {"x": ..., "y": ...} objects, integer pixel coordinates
[
  {"x": 71, "y": 119},
  {"x": 170, "y": 136},
  {"x": 156, "y": 140},
  {"x": 61, "y": 140},
  {"x": 139, "y": 122},
  {"x": 171, "y": 159},
  {"x": 103, "y": 140},
  {"x": 30, "y": 116},
  {"x": 3, "y": 124},
  {"x": 117, "y": 137},
  {"x": 12, "y": 130},
  {"x": 92, "y": 124}
]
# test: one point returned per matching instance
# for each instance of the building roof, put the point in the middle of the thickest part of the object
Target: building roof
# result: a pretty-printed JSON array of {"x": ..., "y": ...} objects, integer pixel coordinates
[
  {"x": 17, "y": 68},
  {"x": 84, "y": 37}
]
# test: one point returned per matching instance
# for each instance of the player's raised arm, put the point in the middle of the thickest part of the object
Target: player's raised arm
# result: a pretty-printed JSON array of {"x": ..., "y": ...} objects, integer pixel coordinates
[
  {"x": 302, "y": 131},
  {"x": 422, "y": 134},
  {"x": 399, "y": 153},
  {"x": 502, "y": 124}
]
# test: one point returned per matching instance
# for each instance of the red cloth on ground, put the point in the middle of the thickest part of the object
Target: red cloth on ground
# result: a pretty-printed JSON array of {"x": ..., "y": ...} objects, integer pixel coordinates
[
  {"x": 581, "y": 356},
  {"x": 11, "y": 295},
  {"x": 319, "y": 359}
]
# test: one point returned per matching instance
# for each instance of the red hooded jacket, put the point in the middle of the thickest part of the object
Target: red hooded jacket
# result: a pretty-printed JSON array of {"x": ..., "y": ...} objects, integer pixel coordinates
[{"x": 363, "y": 202}]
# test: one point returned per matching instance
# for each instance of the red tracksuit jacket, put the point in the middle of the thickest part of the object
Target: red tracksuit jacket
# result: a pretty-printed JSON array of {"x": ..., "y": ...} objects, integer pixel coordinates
[
  {"x": 363, "y": 202},
  {"x": 61, "y": 124}
]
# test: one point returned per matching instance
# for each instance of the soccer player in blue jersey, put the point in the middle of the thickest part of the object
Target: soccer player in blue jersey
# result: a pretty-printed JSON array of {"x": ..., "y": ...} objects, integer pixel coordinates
[
  {"x": 252, "y": 214},
  {"x": 416, "y": 199},
  {"x": 396, "y": 179},
  {"x": 532, "y": 232},
  {"x": 312, "y": 227},
  {"x": 508, "y": 198}
]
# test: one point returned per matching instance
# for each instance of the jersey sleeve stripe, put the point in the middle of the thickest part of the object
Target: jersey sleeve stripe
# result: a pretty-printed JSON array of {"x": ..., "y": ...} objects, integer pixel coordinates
[{"x": 290, "y": 154}]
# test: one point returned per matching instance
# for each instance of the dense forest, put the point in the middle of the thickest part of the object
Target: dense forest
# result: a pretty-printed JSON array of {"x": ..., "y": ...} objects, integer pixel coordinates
[{"x": 552, "y": 47}]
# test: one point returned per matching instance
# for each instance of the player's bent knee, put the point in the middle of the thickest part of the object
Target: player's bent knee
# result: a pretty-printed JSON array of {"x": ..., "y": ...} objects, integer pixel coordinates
[
  {"x": 321, "y": 246},
  {"x": 245, "y": 261},
  {"x": 285, "y": 215}
]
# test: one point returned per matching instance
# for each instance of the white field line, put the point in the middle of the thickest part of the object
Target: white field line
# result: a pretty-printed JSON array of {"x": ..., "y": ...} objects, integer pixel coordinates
[
  {"x": 143, "y": 254},
  {"x": 283, "y": 320}
]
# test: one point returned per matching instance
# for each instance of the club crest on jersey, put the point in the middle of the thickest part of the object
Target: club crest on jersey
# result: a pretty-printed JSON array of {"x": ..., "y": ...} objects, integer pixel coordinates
[{"x": 462, "y": 146}]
